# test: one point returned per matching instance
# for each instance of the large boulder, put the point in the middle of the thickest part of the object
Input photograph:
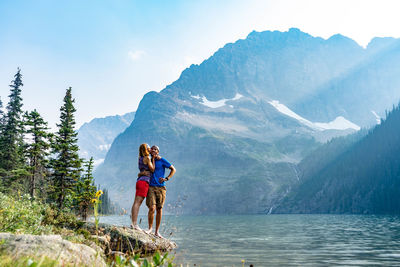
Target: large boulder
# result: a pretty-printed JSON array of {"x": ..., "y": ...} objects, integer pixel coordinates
[
  {"x": 126, "y": 240},
  {"x": 51, "y": 246}
]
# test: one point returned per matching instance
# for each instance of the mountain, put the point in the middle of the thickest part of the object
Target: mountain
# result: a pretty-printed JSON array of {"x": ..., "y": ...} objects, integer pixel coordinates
[
  {"x": 96, "y": 136},
  {"x": 360, "y": 93},
  {"x": 362, "y": 178},
  {"x": 233, "y": 126}
]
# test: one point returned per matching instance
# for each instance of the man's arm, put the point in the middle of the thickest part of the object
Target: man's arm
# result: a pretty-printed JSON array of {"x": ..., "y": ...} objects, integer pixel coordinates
[{"x": 171, "y": 173}]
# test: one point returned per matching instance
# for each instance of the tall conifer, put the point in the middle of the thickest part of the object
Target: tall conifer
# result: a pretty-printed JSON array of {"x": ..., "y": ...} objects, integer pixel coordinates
[
  {"x": 67, "y": 164},
  {"x": 2, "y": 117},
  {"x": 37, "y": 150},
  {"x": 12, "y": 136}
]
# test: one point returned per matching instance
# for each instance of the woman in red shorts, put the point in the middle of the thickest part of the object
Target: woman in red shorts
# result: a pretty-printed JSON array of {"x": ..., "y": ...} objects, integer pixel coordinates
[{"x": 146, "y": 165}]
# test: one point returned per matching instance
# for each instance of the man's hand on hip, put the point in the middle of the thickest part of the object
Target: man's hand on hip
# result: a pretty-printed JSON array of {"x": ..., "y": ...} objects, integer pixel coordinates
[{"x": 162, "y": 180}]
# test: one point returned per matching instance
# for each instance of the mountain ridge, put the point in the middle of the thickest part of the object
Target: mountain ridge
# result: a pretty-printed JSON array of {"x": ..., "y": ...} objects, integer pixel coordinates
[
  {"x": 208, "y": 144},
  {"x": 95, "y": 137}
]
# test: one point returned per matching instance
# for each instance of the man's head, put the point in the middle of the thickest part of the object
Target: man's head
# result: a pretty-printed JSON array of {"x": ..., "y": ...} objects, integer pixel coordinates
[{"x": 155, "y": 150}]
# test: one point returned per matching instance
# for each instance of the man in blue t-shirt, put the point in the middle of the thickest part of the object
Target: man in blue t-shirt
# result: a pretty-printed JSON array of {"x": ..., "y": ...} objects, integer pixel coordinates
[{"x": 157, "y": 191}]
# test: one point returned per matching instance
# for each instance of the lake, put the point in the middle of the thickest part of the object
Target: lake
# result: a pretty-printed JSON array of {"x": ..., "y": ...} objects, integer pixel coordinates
[{"x": 281, "y": 240}]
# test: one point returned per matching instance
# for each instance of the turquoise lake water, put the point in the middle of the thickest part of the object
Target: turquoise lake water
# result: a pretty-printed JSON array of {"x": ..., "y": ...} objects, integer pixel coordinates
[{"x": 281, "y": 240}]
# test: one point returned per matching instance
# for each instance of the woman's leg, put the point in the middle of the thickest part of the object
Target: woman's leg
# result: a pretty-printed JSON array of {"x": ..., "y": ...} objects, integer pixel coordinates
[{"x": 135, "y": 209}]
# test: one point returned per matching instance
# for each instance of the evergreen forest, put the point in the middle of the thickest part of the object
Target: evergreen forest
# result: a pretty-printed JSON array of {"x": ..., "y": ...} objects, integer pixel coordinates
[
  {"x": 42, "y": 164},
  {"x": 356, "y": 174}
]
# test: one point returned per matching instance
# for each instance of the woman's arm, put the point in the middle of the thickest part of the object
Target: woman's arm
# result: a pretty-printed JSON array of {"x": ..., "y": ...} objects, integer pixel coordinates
[
  {"x": 144, "y": 173},
  {"x": 150, "y": 162}
]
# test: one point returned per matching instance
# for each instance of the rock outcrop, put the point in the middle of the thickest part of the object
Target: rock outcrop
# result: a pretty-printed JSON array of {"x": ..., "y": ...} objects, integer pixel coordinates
[
  {"x": 110, "y": 239},
  {"x": 52, "y": 247},
  {"x": 126, "y": 240}
]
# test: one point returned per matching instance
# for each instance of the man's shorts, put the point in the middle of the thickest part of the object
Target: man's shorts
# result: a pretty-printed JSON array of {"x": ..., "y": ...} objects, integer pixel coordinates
[
  {"x": 141, "y": 188},
  {"x": 156, "y": 196}
]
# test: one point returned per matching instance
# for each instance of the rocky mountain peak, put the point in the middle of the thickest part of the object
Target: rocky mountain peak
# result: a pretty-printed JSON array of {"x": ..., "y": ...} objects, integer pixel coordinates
[{"x": 257, "y": 104}]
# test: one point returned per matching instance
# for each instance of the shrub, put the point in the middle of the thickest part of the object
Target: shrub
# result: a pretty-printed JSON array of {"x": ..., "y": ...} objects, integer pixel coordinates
[
  {"x": 22, "y": 215},
  {"x": 60, "y": 219}
]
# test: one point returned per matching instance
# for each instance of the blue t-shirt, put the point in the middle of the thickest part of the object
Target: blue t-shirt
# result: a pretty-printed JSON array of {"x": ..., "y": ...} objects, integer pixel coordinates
[{"x": 159, "y": 172}]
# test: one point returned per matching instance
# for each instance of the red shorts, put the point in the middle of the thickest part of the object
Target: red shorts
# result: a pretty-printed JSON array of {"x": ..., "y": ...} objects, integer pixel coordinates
[{"x": 141, "y": 188}]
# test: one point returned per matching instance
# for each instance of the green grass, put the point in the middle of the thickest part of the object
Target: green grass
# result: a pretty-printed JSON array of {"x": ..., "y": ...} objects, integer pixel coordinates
[
  {"x": 9, "y": 261},
  {"x": 118, "y": 261},
  {"x": 22, "y": 215}
]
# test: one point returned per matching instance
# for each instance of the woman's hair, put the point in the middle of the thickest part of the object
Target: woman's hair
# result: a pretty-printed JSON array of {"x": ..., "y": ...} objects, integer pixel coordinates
[{"x": 143, "y": 152}]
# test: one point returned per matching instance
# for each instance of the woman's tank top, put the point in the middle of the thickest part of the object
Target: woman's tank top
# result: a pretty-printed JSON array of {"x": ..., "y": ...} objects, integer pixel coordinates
[{"x": 143, "y": 167}]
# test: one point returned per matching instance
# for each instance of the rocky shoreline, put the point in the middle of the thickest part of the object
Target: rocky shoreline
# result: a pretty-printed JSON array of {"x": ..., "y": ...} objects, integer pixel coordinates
[{"x": 99, "y": 245}]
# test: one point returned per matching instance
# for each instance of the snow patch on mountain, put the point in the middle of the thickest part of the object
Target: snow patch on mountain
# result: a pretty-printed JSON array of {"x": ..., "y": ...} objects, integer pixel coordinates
[
  {"x": 378, "y": 119},
  {"x": 215, "y": 104},
  {"x": 287, "y": 111},
  {"x": 340, "y": 123},
  {"x": 196, "y": 97}
]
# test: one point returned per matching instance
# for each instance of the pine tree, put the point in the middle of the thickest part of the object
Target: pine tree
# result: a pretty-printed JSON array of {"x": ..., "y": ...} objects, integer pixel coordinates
[
  {"x": 2, "y": 126},
  {"x": 2, "y": 117},
  {"x": 12, "y": 136},
  {"x": 12, "y": 160},
  {"x": 85, "y": 190},
  {"x": 37, "y": 151},
  {"x": 67, "y": 164}
]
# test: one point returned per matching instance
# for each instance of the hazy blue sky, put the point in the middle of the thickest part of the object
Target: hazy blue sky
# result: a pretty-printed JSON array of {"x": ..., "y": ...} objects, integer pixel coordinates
[{"x": 112, "y": 52}]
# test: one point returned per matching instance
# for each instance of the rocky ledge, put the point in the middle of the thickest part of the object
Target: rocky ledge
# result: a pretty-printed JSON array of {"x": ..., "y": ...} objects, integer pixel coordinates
[
  {"x": 126, "y": 240},
  {"x": 110, "y": 240},
  {"x": 53, "y": 247}
]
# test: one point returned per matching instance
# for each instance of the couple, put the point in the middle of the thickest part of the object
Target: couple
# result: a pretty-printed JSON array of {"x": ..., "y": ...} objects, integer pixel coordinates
[{"x": 151, "y": 185}]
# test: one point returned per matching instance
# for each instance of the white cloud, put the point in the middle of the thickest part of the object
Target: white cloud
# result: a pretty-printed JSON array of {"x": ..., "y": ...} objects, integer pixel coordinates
[{"x": 136, "y": 55}]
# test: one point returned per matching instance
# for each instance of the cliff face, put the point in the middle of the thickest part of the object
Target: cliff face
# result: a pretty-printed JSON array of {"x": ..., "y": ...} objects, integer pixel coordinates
[{"x": 236, "y": 125}]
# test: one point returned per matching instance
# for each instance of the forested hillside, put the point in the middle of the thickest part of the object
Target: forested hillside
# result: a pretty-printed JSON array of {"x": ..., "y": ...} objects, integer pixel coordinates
[{"x": 364, "y": 177}]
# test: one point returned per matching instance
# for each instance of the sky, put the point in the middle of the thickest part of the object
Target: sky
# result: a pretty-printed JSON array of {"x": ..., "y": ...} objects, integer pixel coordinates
[{"x": 112, "y": 52}]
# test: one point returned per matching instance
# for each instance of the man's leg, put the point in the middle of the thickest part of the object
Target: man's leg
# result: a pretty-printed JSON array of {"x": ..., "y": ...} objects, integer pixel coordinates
[
  {"x": 151, "y": 204},
  {"x": 160, "y": 203},
  {"x": 150, "y": 217},
  {"x": 158, "y": 221}
]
